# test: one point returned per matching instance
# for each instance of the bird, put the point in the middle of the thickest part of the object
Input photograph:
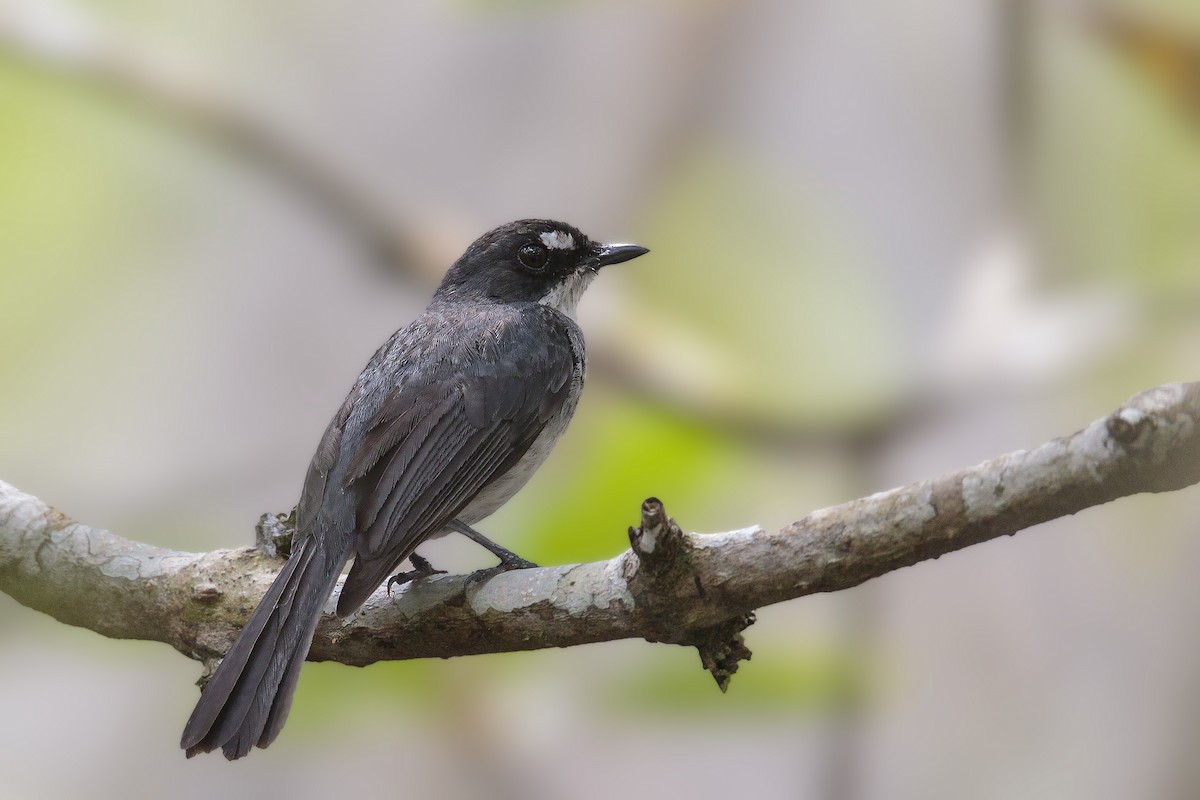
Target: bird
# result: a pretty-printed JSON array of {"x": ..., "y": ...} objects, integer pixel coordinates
[{"x": 447, "y": 421}]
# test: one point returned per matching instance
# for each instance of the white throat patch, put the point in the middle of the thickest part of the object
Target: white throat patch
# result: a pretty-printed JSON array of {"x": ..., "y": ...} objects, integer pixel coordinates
[
  {"x": 558, "y": 240},
  {"x": 565, "y": 296}
]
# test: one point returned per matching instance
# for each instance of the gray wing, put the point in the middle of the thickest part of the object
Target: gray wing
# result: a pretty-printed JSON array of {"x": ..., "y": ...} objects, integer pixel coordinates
[{"x": 435, "y": 442}]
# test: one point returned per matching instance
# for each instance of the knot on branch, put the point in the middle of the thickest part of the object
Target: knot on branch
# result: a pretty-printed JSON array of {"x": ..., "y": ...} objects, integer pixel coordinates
[
  {"x": 663, "y": 554},
  {"x": 1157, "y": 429},
  {"x": 273, "y": 534},
  {"x": 1129, "y": 425},
  {"x": 722, "y": 648},
  {"x": 666, "y": 584}
]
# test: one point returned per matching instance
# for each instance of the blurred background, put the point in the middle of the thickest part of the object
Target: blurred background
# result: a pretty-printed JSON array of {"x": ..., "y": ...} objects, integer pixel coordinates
[{"x": 889, "y": 240}]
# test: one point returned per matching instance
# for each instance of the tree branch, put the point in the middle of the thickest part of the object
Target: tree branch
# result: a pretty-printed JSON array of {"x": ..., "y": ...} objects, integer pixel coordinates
[{"x": 671, "y": 586}]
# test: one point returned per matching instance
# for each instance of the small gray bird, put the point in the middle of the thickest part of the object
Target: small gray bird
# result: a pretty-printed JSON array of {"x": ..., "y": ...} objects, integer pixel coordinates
[{"x": 448, "y": 420}]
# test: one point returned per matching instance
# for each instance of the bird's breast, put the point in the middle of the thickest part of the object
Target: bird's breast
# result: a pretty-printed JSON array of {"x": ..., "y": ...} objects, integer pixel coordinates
[{"x": 503, "y": 487}]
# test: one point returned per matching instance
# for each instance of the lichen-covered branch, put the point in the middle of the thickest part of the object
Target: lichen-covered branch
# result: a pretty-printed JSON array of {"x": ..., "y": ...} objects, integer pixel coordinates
[{"x": 673, "y": 586}]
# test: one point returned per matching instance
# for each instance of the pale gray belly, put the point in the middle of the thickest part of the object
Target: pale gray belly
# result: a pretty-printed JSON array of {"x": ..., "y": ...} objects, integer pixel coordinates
[{"x": 500, "y": 490}]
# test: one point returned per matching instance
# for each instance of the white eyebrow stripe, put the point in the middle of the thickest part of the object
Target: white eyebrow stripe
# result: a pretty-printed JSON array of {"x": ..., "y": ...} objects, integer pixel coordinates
[{"x": 557, "y": 240}]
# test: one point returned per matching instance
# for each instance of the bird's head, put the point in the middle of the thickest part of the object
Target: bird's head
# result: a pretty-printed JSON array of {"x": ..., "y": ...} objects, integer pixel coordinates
[{"x": 532, "y": 261}]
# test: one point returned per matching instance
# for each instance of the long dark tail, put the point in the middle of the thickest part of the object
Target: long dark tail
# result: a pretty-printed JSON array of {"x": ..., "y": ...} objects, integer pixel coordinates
[{"x": 247, "y": 699}]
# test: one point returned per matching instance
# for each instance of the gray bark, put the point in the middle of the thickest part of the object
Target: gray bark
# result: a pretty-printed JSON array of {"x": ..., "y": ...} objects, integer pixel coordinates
[{"x": 671, "y": 586}]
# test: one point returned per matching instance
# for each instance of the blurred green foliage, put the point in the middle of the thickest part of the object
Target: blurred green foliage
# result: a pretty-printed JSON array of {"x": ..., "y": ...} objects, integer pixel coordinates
[
  {"x": 777, "y": 284},
  {"x": 785, "y": 676},
  {"x": 634, "y": 453},
  {"x": 63, "y": 201},
  {"x": 1116, "y": 171},
  {"x": 782, "y": 678}
]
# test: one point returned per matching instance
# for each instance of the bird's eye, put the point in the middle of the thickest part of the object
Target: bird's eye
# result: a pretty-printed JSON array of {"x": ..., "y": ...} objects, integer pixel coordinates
[{"x": 533, "y": 256}]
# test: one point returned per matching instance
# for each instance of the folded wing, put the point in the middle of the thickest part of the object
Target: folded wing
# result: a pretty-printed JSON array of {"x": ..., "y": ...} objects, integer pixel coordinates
[{"x": 435, "y": 442}]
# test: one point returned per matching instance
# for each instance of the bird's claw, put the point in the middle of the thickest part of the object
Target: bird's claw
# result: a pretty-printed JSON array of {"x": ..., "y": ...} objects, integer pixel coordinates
[
  {"x": 421, "y": 569},
  {"x": 506, "y": 565}
]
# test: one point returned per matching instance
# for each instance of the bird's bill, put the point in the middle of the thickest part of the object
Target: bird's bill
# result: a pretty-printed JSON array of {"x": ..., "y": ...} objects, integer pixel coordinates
[{"x": 616, "y": 253}]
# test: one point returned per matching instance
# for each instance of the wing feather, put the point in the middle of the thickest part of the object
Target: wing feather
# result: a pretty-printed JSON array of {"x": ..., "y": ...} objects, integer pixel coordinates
[{"x": 439, "y": 439}]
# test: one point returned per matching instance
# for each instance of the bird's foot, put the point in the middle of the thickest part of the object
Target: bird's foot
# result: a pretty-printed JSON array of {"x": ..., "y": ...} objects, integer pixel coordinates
[
  {"x": 421, "y": 569},
  {"x": 508, "y": 562}
]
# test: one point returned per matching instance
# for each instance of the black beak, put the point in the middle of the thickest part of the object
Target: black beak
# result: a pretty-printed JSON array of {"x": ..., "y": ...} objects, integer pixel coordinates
[{"x": 616, "y": 253}]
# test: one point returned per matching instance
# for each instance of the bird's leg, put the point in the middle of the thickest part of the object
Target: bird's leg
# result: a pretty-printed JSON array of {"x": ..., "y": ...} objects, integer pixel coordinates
[
  {"x": 421, "y": 569},
  {"x": 508, "y": 559}
]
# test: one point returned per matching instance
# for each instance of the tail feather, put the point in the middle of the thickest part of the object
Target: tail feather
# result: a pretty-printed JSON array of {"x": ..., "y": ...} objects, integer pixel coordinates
[
  {"x": 253, "y": 679},
  {"x": 283, "y": 697},
  {"x": 361, "y": 582},
  {"x": 243, "y": 717},
  {"x": 247, "y": 700},
  {"x": 225, "y": 680}
]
